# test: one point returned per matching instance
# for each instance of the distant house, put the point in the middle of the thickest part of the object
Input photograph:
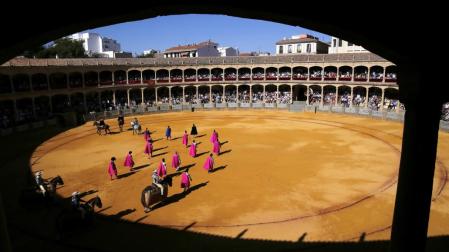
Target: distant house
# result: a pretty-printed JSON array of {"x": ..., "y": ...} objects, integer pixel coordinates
[
  {"x": 94, "y": 44},
  {"x": 301, "y": 44},
  {"x": 343, "y": 46},
  {"x": 203, "y": 49},
  {"x": 228, "y": 51}
]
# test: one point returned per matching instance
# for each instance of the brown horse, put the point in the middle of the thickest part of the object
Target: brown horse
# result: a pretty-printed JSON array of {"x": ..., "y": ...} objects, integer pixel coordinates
[{"x": 152, "y": 194}]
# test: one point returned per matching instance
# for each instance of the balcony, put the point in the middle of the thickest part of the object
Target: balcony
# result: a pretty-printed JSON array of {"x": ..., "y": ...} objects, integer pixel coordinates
[
  {"x": 344, "y": 78},
  {"x": 134, "y": 81}
]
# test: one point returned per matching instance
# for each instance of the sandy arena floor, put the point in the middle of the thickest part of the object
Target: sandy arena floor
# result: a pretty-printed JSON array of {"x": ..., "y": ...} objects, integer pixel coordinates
[{"x": 281, "y": 174}]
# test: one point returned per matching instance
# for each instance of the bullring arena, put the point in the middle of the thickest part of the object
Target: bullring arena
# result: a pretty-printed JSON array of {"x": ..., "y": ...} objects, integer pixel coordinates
[{"x": 280, "y": 175}]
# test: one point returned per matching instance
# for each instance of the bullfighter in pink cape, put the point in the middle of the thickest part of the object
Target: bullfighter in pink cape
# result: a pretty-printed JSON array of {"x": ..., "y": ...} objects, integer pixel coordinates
[
  {"x": 185, "y": 138},
  {"x": 146, "y": 135},
  {"x": 112, "y": 169},
  {"x": 209, "y": 164},
  {"x": 185, "y": 180},
  {"x": 216, "y": 149},
  {"x": 129, "y": 162},
  {"x": 162, "y": 169},
  {"x": 176, "y": 161},
  {"x": 214, "y": 137},
  {"x": 149, "y": 148},
  {"x": 192, "y": 151}
]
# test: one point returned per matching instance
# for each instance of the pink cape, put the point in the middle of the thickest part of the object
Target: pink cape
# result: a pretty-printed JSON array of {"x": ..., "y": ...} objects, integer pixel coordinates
[
  {"x": 148, "y": 148},
  {"x": 216, "y": 149},
  {"x": 175, "y": 161},
  {"x": 209, "y": 164},
  {"x": 192, "y": 151},
  {"x": 129, "y": 162},
  {"x": 213, "y": 138},
  {"x": 161, "y": 170},
  {"x": 185, "y": 181},
  {"x": 112, "y": 170},
  {"x": 146, "y": 135},
  {"x": 185, "y": 139}
]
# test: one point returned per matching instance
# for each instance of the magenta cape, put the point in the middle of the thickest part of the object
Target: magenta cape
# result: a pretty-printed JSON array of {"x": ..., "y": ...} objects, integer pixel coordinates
[
  {"x": 216, "y": 149},
  {"x": 175, "y": 161},
  {"x": 213, "y": 138},
  {"x": 185, "y": 139},
  {"x": 146, "y": 135},
  {"x": 185, "y": 181},
  {"x": 209, "y": 164},
  {"x": 161, "y": 170},
  {"x": 129, "y": 162},
  {"x": 112, "y": 170},
  {"x": 192, "y": 151},
  {"x": 148, "y": 148}
]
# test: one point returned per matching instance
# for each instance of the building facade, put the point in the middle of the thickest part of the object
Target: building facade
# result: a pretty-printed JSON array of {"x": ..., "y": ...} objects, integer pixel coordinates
[
  {"x": 301, "y": 44},
  {"x": 31, "y": 89},
  {"x": 203, "y": 49},
  {"x": 343, "y": 46},
  {"x": 228, "y": 51},
  {"x": 93, "y": 43}
]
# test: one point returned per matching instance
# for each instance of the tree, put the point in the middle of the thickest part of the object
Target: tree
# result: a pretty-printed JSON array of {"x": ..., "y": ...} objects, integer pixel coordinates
[
  {"x": 148, "y": 55},
  {"x": 62, "y": 48}
]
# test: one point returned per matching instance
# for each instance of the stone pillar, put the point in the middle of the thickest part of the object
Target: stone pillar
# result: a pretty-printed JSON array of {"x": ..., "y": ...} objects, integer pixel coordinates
[
  {"x": 113, "y": 97},
  {"x": 237, "y": 93},
  {"x": 183, "y": 94},
  {"x": 336, "y": 95},
  {"x": 155, "y": 93},
  {"x": 352, "y": 97},
  {"x": 382, "y": 100},
  {"x": 223, "y": 100},
  {"x": 250, "y": 94},
  {"x": 141, "y": 90},
  {"x": 197, "y": 96},
  {"x": 169, "y": 95},
  {"x": 263, "y": 94},
  {"x": 277, "y": 94},
  {"x": 210, "y": 94},
  {"x": 127, "y": 95},
  {"x": 416, "y": 172},
  {"x": 322, "y": 95},
  {"x": 308, "y": 95},
  {"x": 366, "y": 97},
  {"x": 291, "y": 94}
]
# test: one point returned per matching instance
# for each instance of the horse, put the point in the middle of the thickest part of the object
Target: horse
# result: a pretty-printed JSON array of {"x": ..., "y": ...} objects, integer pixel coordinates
[
  {"x": 152, "y": 194},
  {"x": 101, "y": 127},
  {"x": 52, "y": 185},
  {"x": 71, "y": 220},
  {"x": 32, "y": 197}
]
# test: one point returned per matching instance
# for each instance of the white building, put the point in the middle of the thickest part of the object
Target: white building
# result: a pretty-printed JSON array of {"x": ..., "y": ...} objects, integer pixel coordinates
[
  {"x": 228, "y": 51},
  {"x": 93, "y": 43},
  {"x": 203, "y": 49},
  {"x": 301, "y": 44},
  {"x": 343, "y": 46}
]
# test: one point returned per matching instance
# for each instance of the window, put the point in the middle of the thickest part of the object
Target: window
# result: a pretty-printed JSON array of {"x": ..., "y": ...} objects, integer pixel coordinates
[
  {"x": 281, "y": 49},
  {"x": 298, "y": 48},
  {"x": 340, "y": 42},
  {"x": 309, "y": 48},
  {"x": 334, "y": 43},
  {"x": 289, "y": 48}
]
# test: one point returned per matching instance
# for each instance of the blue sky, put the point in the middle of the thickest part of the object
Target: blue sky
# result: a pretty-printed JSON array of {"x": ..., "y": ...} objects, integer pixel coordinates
[{"x": 163, "y": 32}]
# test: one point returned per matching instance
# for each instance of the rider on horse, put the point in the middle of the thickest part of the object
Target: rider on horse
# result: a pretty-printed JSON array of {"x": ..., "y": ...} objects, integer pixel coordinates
[
  {"x": 40, "y": 182},
  {"x": 76, "y": 205},
  {"x": 157, "y": 181}
]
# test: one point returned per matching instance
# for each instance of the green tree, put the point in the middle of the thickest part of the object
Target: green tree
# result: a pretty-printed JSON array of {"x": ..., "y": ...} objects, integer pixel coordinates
[{"x": 63, "y": 48}]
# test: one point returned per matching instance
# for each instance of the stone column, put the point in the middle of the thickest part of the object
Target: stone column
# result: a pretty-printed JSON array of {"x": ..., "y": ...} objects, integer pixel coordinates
[
  {"x": 336, "y": 95},
  {"x": 382, "y": 100},
  {"x": 308, "y": 95},
  {"x": 352, "y": 97},
  {"x": 141, "y": 90},
  {"x": 366, "y": 97},
  {"x": 322, "y": 96}
]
